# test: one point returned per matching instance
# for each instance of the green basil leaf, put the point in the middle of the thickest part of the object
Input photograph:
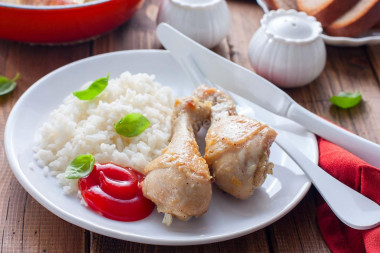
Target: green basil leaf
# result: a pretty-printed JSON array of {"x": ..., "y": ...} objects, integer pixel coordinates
[
  {"x": 346, "y": 100},
  {"x": 93, "y": 90},
  {"x": 7, "y": 85},
  {"x": 81, "y": 166},
  {"x": 132, "y": 125}
]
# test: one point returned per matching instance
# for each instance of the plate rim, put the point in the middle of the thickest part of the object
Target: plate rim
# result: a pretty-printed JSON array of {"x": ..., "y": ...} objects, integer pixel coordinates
[{"x": 65, "y": 215}]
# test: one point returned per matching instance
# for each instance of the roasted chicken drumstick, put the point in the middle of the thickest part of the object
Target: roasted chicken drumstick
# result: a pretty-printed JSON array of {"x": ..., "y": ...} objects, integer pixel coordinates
[
  {"x": 179, "y": 181},
  {"x": 237, "y": 147}
]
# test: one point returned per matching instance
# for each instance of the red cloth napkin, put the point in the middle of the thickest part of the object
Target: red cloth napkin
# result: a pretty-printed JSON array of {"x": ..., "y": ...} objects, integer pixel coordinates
[{"x": 360, "y": 176}]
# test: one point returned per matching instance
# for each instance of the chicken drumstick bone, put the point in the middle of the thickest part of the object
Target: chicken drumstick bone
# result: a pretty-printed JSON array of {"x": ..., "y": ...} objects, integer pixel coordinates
[{"x": 179, "y": 181}]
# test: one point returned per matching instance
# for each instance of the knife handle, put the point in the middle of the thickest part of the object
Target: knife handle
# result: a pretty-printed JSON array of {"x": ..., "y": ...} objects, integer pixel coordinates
[{"x": 365, "y": 149}]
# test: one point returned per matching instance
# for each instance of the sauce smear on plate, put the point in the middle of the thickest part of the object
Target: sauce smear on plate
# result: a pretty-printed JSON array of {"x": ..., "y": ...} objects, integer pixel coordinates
[{"x": 115, "y": 192}]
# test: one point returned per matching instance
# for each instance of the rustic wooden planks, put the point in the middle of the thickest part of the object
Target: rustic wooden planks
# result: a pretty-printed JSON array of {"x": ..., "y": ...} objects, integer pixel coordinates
[
  {"x": 29, "y": 227},
  {"x": 25, "y": 225}
]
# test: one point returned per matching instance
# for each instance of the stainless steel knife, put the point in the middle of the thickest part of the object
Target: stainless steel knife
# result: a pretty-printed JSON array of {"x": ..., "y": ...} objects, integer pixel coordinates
[{"x": 253, "y": 87}]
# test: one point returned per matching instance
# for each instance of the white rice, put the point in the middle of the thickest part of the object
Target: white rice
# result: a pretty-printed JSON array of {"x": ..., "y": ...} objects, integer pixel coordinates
[{"x": 82, "y": 127}]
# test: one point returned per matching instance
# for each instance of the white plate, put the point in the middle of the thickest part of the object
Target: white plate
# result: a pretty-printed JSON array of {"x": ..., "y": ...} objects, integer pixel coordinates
[
  {"x": 227, "y": 217},
  {"x": 370, "y": 37}
]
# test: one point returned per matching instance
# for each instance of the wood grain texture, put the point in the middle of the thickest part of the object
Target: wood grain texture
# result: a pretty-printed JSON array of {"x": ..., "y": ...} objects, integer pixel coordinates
[
  {"x": 350, "y": 70},
  {"x": 374, "y": 56},
  {"x": 29, "y": 227},
  {"x": 26, "y": 225},
  {"x": 254, "y": 242}
]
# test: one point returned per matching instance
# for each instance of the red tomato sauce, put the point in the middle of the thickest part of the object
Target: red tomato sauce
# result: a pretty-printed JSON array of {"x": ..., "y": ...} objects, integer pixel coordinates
[{"x": 115, "y": 192}]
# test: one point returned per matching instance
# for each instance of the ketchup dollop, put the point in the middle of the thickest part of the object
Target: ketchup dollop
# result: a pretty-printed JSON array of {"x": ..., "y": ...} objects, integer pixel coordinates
[{"x": 115, "y": 192}]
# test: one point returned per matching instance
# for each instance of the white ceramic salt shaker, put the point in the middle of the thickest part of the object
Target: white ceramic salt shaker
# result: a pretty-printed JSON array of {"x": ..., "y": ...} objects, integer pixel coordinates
[
  {"x": 205, "y": 21},
  {"x": 287, "y": 49}
]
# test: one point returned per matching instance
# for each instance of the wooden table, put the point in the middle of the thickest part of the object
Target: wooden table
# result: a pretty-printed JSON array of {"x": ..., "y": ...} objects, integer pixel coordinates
[{"x": 29, "y": 227}]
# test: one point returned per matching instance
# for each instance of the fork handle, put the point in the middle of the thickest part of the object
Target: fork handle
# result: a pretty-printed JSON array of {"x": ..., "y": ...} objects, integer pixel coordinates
[{"x": 351, "y": 207}]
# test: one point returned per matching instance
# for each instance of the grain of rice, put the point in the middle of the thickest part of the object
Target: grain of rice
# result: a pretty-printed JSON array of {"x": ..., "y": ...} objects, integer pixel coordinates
[{"x": 80, "y": 127}]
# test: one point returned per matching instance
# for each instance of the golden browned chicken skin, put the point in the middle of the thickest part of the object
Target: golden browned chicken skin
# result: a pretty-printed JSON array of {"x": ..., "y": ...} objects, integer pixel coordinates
[
  {"x": 237, "y": 147},
  {"x": 179, "y": 181}
]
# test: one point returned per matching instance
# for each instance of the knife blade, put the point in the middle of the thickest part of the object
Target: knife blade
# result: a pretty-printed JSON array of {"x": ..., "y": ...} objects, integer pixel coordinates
[{"x": 255, "y": 88}]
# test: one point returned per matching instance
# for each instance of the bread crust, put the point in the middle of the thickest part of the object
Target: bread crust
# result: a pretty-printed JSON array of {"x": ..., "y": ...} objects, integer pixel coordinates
[
  {"x": 331, "y": 12},
  {"x": 328, "y": 11},
  {"x": 360, "y": 23}
]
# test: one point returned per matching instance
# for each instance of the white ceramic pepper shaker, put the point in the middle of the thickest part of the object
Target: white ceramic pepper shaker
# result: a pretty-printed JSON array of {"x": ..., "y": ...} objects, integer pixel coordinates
[
  {"x": 287, "y": 49},
  {"x": 205, "y": 21}
]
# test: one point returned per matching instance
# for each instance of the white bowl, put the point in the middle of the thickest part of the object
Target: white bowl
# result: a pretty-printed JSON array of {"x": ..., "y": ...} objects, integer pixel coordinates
[{"x": 205, "y": 21}]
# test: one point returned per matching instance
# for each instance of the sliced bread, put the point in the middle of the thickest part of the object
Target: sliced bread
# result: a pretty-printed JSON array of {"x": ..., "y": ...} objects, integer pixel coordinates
[
  {"x": 282, "y": 4},
  {"x": 364, "y": 15},
  {"x": 325, "y": 11}
]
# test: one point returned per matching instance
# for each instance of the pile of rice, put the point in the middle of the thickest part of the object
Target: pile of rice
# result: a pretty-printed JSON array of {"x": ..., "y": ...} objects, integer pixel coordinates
[{"x": 82, "y": 127}]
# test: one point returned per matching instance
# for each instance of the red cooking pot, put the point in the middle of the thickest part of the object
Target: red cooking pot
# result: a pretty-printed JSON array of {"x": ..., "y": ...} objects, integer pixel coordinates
[{"x": 63, "y": 23}]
